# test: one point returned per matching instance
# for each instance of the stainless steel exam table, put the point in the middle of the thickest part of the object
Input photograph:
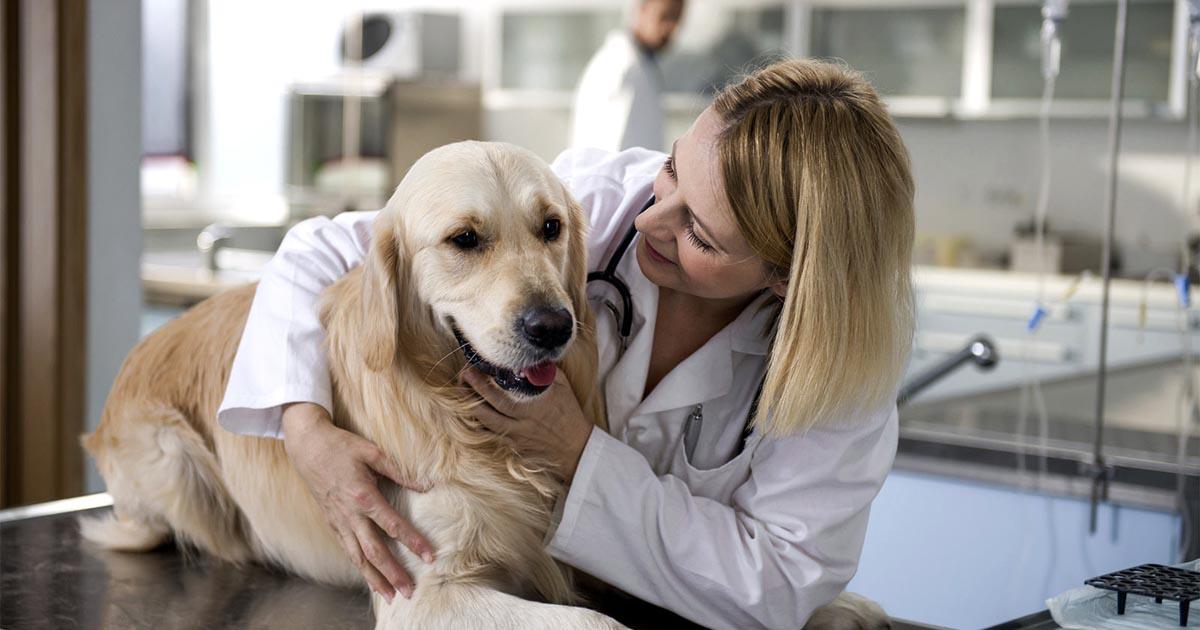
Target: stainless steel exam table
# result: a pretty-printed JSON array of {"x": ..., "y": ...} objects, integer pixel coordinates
[{"x": 50, "y": 578}]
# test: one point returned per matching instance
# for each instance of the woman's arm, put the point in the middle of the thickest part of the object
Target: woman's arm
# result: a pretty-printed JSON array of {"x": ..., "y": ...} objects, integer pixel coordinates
[
  {"x": 787, "y": 545},
  {"x": 281, "y": 357},
  {"x": 279, "y": 387}
]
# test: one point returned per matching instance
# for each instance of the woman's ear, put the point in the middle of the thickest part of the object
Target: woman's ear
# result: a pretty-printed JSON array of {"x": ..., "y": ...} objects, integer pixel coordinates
[
  {"x": 380, "y": 323},
  {"x": 779, "y": 289}
]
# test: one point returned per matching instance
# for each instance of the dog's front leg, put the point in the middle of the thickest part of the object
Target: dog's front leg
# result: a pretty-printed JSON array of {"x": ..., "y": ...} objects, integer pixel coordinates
[{"x": 436, "y": 605}]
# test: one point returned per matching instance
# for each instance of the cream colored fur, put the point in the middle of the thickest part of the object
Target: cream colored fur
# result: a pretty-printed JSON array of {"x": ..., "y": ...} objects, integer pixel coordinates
[{"x": 173, "y": 471}]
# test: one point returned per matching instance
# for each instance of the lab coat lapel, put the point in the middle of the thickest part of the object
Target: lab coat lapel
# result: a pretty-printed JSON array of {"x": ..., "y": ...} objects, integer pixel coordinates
[
  {"x": 708, "y": 373},
  {"x": 705, "y": 375}
]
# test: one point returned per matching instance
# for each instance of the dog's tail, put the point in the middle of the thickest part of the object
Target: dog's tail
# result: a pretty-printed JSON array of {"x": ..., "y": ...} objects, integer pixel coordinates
[
  {"x": 122, "y": 534},
  {"x": 164, "y": 480},
  {"x": 478, "y": 607}
]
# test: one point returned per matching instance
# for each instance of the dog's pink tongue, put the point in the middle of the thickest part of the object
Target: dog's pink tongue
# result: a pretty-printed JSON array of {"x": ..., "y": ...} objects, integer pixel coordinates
[{"x": 541, "y": 374}]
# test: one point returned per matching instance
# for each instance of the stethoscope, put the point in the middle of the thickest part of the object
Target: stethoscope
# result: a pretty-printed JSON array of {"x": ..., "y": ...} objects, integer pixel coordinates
[{"x": 623, "y": 316}]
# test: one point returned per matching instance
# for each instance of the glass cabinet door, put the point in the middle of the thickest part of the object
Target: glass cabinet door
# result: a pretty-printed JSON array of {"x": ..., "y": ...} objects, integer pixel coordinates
[
  {"x": 1087, "y": 51},
  {"x": 548, "y": 50},
  {"x": 718, "y": 43},
  {"x": 915, "y": 51}
]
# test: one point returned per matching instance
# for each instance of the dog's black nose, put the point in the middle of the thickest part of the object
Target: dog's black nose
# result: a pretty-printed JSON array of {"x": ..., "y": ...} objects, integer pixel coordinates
[{"x": 547, "y": 328}]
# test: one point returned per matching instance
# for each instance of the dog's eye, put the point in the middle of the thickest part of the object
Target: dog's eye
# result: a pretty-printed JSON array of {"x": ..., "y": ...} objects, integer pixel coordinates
[
  {"x": 466, "y": 240},
  {"x": 551, "y": 228}
]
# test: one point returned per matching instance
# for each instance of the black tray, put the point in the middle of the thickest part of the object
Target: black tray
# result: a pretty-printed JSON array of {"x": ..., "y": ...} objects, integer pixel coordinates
[{"x": 1152, "y": 580}]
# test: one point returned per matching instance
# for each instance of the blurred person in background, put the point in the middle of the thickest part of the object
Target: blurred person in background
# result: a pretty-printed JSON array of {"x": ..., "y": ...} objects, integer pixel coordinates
[{"x": 618, "y": 104}]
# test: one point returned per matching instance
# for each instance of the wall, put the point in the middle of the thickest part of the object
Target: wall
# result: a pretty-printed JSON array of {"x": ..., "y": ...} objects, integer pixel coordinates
[
  {"x": 114, "y": 203},
  {"x": 970, "y": 555},
  {"x": 254, "y": 50},
  {"x": 979, "y": 178}
]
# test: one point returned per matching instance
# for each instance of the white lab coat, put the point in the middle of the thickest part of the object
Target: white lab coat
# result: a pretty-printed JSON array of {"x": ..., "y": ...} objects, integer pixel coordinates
[
  {"x": 759, "y": 539},
  {"x": 618, "y": 104}
]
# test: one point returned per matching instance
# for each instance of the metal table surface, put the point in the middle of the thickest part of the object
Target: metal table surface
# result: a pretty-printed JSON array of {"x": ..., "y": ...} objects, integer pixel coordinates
[{"x": 50, "y": 578}]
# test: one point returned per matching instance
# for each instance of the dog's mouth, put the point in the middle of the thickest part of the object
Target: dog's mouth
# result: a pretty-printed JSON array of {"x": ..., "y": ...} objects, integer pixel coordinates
[{"x": 529, "y": 381}]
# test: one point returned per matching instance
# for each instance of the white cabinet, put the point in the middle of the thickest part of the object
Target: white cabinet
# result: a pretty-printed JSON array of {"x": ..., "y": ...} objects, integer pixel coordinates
[
  {"x": 547, "y": 49},
  {"x": 719, "y": 41},
  {"x": 913, "y": 51},
  {"x": 1087, "y": 51},
  {"x": 960, "y": 58},
  {"x": 539, "y": 50}
]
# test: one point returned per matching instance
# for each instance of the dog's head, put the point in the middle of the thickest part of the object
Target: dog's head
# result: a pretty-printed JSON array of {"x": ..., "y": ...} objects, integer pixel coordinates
[{"x": 483, "y": 242}]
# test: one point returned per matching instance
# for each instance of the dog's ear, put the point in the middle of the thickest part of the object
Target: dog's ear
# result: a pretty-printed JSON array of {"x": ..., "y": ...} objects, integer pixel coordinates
[
  {"x": 380, "y": 324},
  {"x": 580, "y": 362},
  {"x": 576, "y": 254}
]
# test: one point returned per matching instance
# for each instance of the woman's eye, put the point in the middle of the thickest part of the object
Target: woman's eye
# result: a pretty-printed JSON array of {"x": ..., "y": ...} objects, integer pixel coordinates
[
  {"x": 551, "y": 229},
  {"x": 466, "y": 240},
  {"x": 696, "y": 240},
  {"x": 669, "y": 167}
]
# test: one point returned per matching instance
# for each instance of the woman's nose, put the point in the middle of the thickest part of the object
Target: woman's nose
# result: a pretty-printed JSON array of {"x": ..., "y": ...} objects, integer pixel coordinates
[{"x": 655, "y": 222}]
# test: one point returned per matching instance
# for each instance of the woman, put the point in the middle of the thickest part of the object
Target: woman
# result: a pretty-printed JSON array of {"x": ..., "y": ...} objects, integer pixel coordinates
[{"x": 776, "y": 256}]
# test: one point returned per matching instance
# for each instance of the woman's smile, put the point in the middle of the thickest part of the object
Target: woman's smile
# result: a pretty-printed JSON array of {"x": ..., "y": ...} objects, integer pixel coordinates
[{"x": 654, "y": 255}]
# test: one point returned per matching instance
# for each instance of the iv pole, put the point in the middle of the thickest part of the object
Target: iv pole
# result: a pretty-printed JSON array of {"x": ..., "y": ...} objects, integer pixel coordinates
[{"x": 1098, "y": 469}]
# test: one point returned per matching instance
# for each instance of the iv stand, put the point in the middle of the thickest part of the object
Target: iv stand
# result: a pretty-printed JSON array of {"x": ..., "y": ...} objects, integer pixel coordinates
[{"x": 1099, "y": 471}]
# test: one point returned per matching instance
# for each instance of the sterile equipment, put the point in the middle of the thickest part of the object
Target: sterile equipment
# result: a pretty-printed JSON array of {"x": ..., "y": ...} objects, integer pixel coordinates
[
  {"x": 1099, "y": 605},
  {"x": 1053, "y": 14}
]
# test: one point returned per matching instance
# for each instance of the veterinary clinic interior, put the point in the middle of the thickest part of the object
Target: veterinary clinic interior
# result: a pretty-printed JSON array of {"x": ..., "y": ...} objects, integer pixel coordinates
[{"x": 929, "y": 269}]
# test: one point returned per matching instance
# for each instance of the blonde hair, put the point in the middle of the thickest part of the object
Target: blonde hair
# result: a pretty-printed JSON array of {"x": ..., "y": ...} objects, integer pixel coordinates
[{"x": 819, "y": 183}]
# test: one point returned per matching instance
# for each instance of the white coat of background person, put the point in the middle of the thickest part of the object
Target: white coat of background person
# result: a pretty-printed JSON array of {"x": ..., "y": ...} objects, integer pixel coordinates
[{"x": 618, "y": 103}]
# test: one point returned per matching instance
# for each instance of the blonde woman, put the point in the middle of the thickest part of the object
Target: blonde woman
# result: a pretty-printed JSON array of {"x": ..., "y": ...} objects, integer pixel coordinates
[{"x": 772, "y": 264}]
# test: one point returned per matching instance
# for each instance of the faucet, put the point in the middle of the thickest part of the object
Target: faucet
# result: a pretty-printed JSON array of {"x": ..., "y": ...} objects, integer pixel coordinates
[
  {"x": 980, "y": 351},
  {"x": 210, "y": 241}
]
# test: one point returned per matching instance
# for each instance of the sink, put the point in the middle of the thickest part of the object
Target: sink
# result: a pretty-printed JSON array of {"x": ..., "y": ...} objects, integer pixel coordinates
[{"x": 175, "y": 272}]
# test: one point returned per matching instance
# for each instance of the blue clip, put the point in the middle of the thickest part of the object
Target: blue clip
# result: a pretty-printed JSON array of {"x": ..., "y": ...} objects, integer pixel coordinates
[
  {"x": 1183, "y": 285},
  {"x": 1035, "y": 320}
]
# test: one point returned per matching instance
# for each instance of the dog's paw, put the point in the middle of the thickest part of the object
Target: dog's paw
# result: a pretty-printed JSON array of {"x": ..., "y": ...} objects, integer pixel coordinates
[{"x": 849, "y": 611}]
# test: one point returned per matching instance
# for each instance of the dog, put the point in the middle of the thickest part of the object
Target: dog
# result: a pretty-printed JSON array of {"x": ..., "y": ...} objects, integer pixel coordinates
[{"x": 477, "y": 259}]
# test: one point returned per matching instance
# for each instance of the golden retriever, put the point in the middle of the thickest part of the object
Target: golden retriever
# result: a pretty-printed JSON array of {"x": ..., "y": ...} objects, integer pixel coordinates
[{"x": 478, "y": 258}]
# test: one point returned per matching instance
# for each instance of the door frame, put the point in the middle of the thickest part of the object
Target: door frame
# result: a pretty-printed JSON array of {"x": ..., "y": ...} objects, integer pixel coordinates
[{"x": 43, "y": 246}]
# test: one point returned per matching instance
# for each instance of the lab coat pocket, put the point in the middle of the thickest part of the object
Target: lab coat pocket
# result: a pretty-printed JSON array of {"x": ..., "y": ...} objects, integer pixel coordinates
[{"x": 717, "y": 483}]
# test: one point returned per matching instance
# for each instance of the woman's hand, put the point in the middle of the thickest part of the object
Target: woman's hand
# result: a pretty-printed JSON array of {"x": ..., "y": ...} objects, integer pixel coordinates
[
  {"x": 340, "y": 469},
  {"x": 553, "y": 428}
]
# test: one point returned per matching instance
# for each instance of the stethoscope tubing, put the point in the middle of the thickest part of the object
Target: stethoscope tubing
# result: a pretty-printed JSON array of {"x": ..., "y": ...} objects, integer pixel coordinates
[{"x": 609, "y": 276}]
